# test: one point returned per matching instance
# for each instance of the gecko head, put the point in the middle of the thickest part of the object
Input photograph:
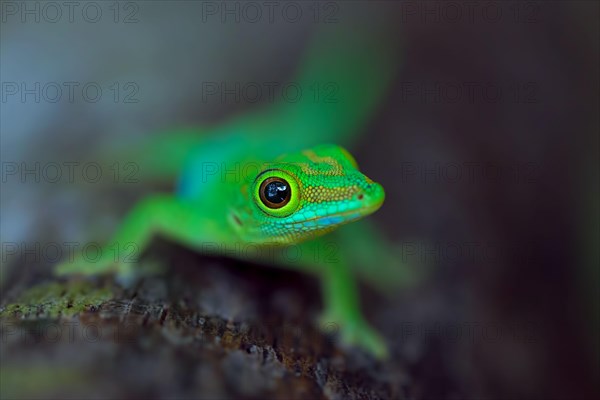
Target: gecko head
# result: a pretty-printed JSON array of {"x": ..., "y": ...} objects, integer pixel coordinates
[{"x": 306, "y": 194}]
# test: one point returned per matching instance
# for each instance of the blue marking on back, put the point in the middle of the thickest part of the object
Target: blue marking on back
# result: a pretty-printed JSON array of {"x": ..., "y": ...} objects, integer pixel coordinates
[{"x": 203, "y": 168}]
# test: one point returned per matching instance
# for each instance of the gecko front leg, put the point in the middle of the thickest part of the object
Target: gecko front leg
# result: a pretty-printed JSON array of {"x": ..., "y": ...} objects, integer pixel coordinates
[
  {"x": 182, "y": 221},
  {"x": 323, "y": 258}
]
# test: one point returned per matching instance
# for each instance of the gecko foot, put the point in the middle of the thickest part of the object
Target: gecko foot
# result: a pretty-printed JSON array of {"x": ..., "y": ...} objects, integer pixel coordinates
[{"x": 354, "y": 332}]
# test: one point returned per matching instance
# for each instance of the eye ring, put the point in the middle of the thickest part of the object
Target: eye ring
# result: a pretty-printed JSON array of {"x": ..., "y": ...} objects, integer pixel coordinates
[
  {"x": 281, "y": 203},
  {"x": 275, "y": 192}
]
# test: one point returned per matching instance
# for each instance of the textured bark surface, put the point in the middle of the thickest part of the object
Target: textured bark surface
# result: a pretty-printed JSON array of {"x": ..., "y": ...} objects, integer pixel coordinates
[{"x": 207, "y": 328}]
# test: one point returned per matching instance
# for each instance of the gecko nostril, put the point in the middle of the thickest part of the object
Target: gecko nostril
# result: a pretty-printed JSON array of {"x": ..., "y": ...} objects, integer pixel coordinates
[{"x": 361, "y": 196}]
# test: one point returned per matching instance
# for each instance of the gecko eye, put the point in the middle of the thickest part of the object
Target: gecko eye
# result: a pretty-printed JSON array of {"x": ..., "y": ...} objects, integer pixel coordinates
[{"x": 275, "y": 192}]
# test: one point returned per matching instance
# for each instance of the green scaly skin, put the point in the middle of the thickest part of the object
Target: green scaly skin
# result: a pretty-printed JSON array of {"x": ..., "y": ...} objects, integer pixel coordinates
[{"x": 217, "y": 211}]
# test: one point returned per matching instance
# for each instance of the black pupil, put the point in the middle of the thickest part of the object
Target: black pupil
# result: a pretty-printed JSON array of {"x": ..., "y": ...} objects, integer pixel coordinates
[{"x": 277, "y": 192}]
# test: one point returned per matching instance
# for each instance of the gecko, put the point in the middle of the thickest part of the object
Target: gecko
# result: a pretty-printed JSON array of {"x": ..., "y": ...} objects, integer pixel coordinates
[
  {"x": 293, "y": 200},
  {"x": 293, "y": 186}
]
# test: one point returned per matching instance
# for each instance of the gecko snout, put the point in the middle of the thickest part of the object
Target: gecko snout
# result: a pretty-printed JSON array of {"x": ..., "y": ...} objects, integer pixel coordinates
[{"x": 370, "y": 196}]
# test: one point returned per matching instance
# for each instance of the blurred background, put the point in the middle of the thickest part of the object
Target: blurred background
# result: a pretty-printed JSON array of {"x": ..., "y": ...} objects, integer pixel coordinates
[{"x": 486, "y": 143}]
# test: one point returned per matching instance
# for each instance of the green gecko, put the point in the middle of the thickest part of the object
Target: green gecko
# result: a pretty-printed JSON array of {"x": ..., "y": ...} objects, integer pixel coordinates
[
  {"x": 296, "y": 188},
  {"x": 297, "y": 197}
]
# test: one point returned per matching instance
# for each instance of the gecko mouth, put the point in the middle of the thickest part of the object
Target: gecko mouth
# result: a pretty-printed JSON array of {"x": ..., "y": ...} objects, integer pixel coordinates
[
  {"x": 353, "y": 214},
  {"x": 340, "y": 218}
]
